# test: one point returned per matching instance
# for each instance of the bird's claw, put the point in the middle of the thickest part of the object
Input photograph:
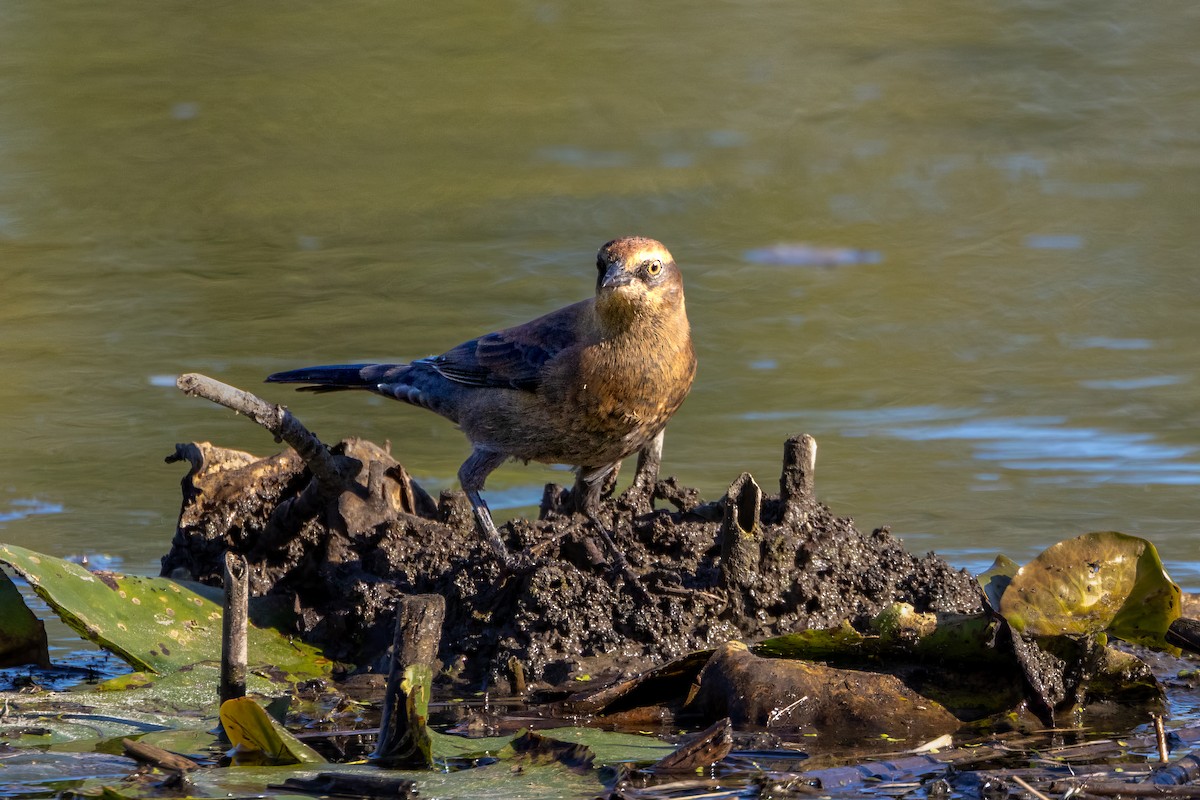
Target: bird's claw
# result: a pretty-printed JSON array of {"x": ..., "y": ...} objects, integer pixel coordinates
[
  {"x": 517, "y": 564},
  {"x": 618, "y": 563},
  {"x": 632, "y": 582}
]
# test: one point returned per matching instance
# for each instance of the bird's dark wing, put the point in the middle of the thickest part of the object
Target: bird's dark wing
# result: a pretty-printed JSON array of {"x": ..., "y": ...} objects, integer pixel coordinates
[{"x": 512, "y": 358}]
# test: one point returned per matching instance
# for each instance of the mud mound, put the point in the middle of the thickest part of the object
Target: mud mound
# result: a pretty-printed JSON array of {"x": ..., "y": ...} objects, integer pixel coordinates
[{"x": 744, "y": 566}]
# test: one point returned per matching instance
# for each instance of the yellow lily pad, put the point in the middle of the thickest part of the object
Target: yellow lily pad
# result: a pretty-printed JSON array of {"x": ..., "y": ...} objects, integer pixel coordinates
[
  {"x": 1099, "y": 582},
  {"x": 258, "y": 739}
]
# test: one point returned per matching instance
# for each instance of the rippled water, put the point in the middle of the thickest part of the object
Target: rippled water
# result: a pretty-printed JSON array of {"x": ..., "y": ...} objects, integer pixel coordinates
[{"x": 954, "y": 242}]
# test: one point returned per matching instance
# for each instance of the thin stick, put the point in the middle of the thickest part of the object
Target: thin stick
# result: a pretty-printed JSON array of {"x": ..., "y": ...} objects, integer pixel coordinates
[
  {"x": 1160, "y": 737},
  {"x": 234, "y": 628},
  {"x": 152, "y": 754},
  {"x": 1019, "y": 781},
  {"x": 403, "y": 737},
  {"x": 332, "y": 473}
]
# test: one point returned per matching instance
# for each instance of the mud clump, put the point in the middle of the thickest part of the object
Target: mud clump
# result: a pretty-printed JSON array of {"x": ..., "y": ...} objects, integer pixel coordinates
[{"x": 746, "y": 566}]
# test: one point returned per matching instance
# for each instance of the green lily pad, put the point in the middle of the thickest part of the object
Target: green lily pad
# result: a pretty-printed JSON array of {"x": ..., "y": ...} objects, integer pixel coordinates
[
  {"x": 154, "y": 624},
  {"x": 613, "y": 747},
  {"x": 201, "y": 742},
  {"x": 1099, "y": 582},
  {"x": 22, "y": 635},
  {"x": 27, "y": 772},
  {"x": 609, "y": 747},
  {"x": 501, "y": 781},
  {"x": 45, "y": 720},
  {"x": 814, "y": 644},
  {"x": 178, "y": 704},
  {"x": 517, "y": 774},
  {"x": 190, "y": 690},
  {"x": 997, "y": 578}
]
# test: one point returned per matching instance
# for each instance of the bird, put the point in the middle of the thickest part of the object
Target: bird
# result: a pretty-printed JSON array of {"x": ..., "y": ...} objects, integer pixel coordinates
[{"x": 586, "y": 385}]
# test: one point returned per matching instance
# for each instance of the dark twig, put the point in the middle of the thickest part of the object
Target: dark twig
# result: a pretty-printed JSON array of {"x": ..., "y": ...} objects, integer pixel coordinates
[
  {"x": 1019, "y": 781},
  {"x": 707, "y": 748},
  {"x": 333, "y": 473},
  {"x": 403, "y": 737},
  {"x": 156, "y": 756},
  {"x": 234, "y": 628},
  {"x": 1160, "y": 738}
]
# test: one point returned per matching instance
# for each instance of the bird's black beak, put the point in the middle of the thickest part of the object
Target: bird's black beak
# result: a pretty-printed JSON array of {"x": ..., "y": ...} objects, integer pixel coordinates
[{"x": 615, "y": 276}]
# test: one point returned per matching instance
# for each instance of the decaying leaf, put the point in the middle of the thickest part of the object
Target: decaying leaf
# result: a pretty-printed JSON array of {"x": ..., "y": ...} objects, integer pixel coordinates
[
  {"x": 404, "y": 739},
  {"x": 703, "y": 750},
  {"x": 22, "y": 635},
  {"x": 1099, "y": 582},
  {"x": 996, "y": 579},
  {"x": 258, "y": 739},
  {"x": 540, "y": 749}
]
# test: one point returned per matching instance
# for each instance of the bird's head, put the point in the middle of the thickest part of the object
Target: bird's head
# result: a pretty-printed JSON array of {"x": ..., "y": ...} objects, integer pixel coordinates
[{"x": 636, "y": 277}]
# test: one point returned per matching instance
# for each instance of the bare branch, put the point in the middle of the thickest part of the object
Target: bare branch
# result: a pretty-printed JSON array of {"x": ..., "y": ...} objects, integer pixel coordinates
[{"x": 333, "y": 473}]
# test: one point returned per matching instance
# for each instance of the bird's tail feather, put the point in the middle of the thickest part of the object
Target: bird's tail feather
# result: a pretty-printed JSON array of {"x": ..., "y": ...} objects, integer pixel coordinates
[{"x": 338, "y": 377}]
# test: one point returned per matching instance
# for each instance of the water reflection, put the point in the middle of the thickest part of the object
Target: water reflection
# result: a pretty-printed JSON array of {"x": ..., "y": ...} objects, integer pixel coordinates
[
  {"x": 21, "y": 507},
  {"x": 1079, "y": 456}
]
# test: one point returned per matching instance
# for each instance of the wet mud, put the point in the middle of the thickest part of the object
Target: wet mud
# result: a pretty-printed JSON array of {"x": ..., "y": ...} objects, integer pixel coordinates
[{"x": 746, "y": 566}]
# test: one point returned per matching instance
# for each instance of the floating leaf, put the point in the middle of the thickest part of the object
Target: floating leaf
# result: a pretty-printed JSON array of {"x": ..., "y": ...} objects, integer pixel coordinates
[
  {"x": 192, "y": 689},
  {"x": 33, "y": 768},
  {"x": 155, "y": 624},
  {"x": 609, "y": 747},
  {"x": 705, "y": 749},
  {"x": 22, "y": 635},
  {"x": 813, "y": 644},
  {"x": 997, "y": 578},
  {"x": 499, "y": 781},
  {"x": 536, "y": 748},
  {"x": 1104, "y": 581},
  {"x": 58, "y": 719},
  {"x": 404, "y": 733},
  {"x": 258, "y": 739}
]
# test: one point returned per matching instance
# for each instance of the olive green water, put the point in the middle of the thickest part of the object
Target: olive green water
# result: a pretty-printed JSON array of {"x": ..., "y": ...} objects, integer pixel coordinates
[{"x": 237, "y": 189}]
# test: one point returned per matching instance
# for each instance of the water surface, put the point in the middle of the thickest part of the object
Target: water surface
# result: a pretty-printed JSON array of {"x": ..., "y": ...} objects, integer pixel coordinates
[{"x": 243, "y": 188}]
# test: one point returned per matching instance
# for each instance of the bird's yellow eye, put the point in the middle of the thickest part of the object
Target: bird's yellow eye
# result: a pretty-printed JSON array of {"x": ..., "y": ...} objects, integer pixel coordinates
[{"x": 653, "y": 268}]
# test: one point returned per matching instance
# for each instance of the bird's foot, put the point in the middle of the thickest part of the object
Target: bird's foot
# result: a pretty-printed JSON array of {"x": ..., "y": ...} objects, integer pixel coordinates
[
  {"x": 640, "y": 493},
  {"x": 510, "y": 563},
  {"x": 516, "y": 564},
  {"x": 619, "y": 564}
]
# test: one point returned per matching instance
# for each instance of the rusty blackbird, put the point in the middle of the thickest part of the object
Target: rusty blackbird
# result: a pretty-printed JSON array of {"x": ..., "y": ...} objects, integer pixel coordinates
[{"x": 586, "y": 385}]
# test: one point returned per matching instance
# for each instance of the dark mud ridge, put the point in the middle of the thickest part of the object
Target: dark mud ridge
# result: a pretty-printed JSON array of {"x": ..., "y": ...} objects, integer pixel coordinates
[{"x": 745, "y": 566}]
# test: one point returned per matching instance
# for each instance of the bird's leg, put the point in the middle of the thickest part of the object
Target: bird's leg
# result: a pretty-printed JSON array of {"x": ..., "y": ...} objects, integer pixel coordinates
[
  {"x": 648, "y": 463},
  {"x": 472, "y": 475},
  {"x": 588, "y": 485}
]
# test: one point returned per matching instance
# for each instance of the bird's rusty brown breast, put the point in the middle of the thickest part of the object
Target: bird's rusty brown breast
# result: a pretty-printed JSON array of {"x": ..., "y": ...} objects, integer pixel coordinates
[{"x": 633, "y": 379}]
